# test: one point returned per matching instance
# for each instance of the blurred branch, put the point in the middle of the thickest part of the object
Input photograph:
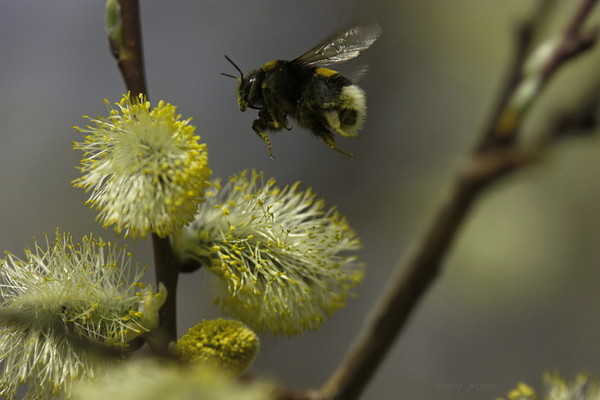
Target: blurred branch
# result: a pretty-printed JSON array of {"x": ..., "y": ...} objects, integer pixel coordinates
[
  {"x": 525, "y": 34},
  {"x": 497, "y": 156},
  {"x": 523, "y": 88},
  {"x": 418, "y": 271},
  {"x": 578, "y": 122}
]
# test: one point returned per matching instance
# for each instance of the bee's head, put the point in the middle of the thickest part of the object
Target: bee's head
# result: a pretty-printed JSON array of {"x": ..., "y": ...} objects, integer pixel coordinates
[{"x": 248, "y": 88}]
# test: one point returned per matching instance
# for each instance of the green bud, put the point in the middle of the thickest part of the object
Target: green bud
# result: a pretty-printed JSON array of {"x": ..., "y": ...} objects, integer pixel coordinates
[
  {"x": 225, "y": 343},
  {"x": 113, "y": 23}
]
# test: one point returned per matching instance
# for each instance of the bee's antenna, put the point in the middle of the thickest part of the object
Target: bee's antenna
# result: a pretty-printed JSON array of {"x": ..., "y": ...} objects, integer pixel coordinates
[{"x": 236, "y": 67}]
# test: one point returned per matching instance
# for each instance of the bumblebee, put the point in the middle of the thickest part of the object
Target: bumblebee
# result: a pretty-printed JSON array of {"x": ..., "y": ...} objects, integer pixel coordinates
[{"x": 318, "y": 98}]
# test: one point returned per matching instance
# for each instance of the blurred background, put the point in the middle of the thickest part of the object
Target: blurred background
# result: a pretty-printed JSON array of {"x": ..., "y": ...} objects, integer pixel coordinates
[{"x": 518, "y": 294}]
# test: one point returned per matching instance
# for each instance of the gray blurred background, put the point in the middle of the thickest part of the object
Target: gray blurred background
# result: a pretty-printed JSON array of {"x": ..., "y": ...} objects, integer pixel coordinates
[{"x": 519, "y": 293}]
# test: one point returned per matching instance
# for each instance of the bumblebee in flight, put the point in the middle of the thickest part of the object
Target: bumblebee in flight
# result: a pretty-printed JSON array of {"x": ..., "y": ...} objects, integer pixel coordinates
[{"x": 319, "y": 98}]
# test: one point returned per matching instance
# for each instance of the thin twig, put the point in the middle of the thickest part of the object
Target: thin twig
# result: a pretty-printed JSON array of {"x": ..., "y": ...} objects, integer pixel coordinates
[
  {"x": 130, "y": 53},
  {"x": 131, "y": 64},
  {"x": 526, "y": 33},
  {"x": 495, "y": 158},
  {"x": 506, "y": 122},
  {"x": 581, "y": 121}
]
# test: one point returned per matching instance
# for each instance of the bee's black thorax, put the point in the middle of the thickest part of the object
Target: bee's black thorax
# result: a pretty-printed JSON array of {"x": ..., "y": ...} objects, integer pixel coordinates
[{"x": 285, "y": 80}]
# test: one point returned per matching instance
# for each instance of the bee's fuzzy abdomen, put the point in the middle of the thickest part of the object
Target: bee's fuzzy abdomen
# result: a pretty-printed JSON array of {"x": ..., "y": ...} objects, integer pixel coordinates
[{"x": 352, "y": 108}]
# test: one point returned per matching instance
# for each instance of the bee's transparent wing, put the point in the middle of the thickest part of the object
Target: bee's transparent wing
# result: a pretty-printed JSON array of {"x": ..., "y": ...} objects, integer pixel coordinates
[{"x": 341, "y": 46}]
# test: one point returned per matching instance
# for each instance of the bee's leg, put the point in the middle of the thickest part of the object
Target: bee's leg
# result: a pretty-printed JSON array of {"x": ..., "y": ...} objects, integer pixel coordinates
[
  {"x": 260, "y": 126},
  {"x": 333, "y": 120},
  {"x": 328, "y": 138}
]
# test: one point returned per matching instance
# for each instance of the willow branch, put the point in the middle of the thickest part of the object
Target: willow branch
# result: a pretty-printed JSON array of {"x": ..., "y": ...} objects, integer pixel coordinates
[
  {"x": 166, "y": 269},
  {"x": 418, "y": 271},
  {"x": 127, "y": 49},
  {"x": 513, "y": 107},
  {"x": 496, "y": 157}
]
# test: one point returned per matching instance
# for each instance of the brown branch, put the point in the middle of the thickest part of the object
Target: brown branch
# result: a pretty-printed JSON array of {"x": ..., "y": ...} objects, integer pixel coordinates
[
  {"x": 166, "y": 270},
  {"x": 129, "y": 54},
  {"x": 579, "y": 122},
  {"x": 506, "y": 121},
  {"x": 525, "y": 34},
  {"x": 418, "y": 270},
  {"x": 496, "y": 157}
]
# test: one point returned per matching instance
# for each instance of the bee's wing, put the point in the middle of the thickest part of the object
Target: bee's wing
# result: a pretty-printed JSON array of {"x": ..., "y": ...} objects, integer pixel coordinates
[{"x": 342, "y": 46}]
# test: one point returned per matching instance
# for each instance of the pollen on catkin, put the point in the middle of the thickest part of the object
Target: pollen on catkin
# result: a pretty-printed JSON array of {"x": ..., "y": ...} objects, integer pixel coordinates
[
  {"x": 556, "y": 387},
  {"x": 144, "y": 167},
  {"x": 59, "y": 296},
  {"x": 277, "y": 254},
  {"x": 224, "y": 343}
]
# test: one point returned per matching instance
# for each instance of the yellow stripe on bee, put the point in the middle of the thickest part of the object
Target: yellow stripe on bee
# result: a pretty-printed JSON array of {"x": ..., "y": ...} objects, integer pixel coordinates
[
  {"x": 270, "y": 65},
  {"x": 326, "y": 72}
]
